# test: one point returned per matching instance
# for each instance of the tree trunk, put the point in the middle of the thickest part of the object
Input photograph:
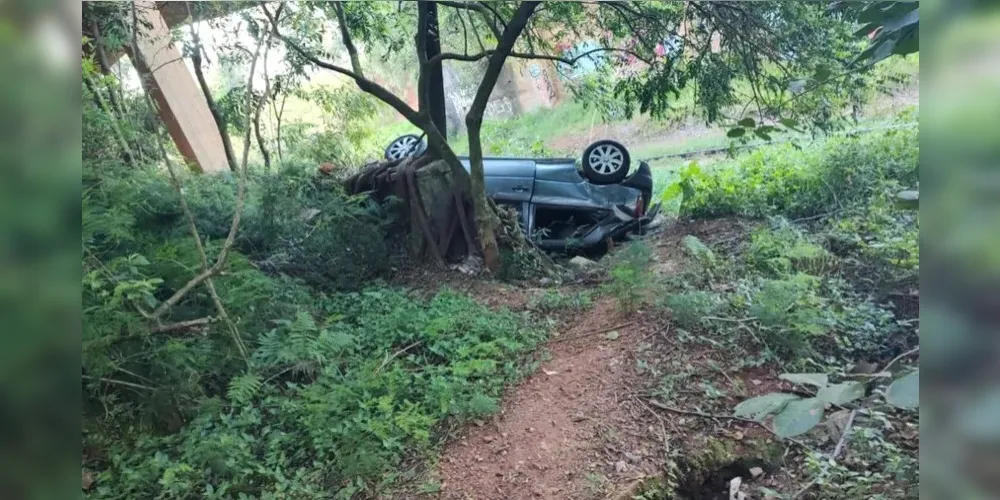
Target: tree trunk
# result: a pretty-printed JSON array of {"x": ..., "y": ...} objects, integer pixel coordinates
[
  {"x": 260, "y": 141},
  {"x": 486, "y": 220}
]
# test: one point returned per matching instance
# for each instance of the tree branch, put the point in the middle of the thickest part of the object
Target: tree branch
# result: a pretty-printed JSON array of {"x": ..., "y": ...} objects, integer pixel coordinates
[
  {"x": 423, "y": 65},
  {"x": 182, "y": 325},
  {"x": 345, "y": 36},
  {"x": 526, "y": 55},
  {"x": 482, "y": 9},
  {"x": 220, "y": 122},
  {"x": 363, "y": 83}
]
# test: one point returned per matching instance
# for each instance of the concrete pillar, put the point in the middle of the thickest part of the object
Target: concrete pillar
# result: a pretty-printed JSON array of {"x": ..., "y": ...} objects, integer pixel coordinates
[{"x": 182, "y": 105}]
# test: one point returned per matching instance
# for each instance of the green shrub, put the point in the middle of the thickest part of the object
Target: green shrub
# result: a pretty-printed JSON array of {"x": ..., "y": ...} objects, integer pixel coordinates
[
  {"x": 791, "y": 313},
  {"x": 689, "y": 308},
  {"x": 554, "y": 301},
  {"x": 329, "y": 406},
  {"x": 630, "y": 276},
  {"x": 783, "y": 249},
  {"x": 808, "y": 182}
]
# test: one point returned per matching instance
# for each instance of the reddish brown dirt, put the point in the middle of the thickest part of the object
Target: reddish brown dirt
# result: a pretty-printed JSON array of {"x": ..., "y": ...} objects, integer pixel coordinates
[{"x": 569, "y": 420}]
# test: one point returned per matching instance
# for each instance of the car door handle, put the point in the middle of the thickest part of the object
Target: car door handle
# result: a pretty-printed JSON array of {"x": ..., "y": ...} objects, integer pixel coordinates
[{"x": 520, "y": 189}]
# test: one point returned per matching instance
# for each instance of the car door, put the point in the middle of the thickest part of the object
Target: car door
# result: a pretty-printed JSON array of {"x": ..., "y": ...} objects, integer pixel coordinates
[{"x": 508, "y": 180}]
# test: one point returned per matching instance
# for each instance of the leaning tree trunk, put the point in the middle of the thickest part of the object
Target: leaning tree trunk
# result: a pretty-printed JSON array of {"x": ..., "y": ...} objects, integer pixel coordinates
[{"x": 486, "y": 220}]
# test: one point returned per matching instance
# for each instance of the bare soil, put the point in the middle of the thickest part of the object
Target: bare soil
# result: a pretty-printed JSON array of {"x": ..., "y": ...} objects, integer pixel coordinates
[{"x": 570, "y": 420}]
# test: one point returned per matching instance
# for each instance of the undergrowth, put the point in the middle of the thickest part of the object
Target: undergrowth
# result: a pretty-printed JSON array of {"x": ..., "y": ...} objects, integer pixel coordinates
[{"x": 825, "y": 281}]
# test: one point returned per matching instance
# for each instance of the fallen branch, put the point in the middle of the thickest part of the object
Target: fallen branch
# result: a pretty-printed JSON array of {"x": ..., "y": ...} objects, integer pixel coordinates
[
  {"x": 120, "y": 382},
  {"x": 588, "y": 334},
  {"x": 671, "y": 409},
  {"x": 897, "y": 358},
  {"x": 183, "y": 325},
  {"x": 396, "y": 355},
  {"x": 833, "y": 457}
]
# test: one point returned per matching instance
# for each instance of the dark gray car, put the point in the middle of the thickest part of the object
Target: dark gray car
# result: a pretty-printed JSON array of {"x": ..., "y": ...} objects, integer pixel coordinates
[{"x": 564, "y": 206}]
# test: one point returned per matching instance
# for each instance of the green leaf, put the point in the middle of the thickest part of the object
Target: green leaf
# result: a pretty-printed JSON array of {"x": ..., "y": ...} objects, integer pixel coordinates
[
  {"x": 904, "y": 392},
  {"x": 816, "y": 379},
  {"x": 791, "y": 123},
  {"x": 762, "y": 134},
  {"x": 842, "y": 393},
  {"x": 672, "y": 191},
  {"x": 798, "y": 417},
  {"x": 761, "y": 406},
  {"x": 747, "y": 123},
  {"x": 822, "y": 73},
  {"x": 736, "y": 132}
]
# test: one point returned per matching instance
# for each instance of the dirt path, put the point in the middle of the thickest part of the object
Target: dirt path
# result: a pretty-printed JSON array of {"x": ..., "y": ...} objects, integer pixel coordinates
[{"x": 566, "y": 431}]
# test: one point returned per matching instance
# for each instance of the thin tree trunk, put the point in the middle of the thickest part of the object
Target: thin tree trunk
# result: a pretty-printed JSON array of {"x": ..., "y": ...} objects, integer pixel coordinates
[
  {"x": 115, "y": 129},
  {"x": 486, "y": 220},
  {"x": 219, "y": 121},
  {"x": 260, "y": 141},
  {"x": 277, "y": 127},
  {"x": 256, "y": 116}
]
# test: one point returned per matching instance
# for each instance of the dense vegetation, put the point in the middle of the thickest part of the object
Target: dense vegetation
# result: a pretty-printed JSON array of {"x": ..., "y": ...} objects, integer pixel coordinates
[{"x": 808, "y": 265}]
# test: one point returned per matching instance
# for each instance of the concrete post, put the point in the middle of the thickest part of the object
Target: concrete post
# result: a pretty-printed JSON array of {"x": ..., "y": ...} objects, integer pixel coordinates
[{"x": 182, "y": 106}]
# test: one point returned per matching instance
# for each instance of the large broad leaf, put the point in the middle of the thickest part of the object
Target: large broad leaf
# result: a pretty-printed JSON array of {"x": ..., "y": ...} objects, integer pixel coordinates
[
  {"x": 843, "y": 393},
  {"x": 798, "y": 417},
  {"x": 761, "y": 406},
  {"x": 815, "y": 379},
  {"x": 904, "y": 392},
  {"x": 736, "y": 132}
]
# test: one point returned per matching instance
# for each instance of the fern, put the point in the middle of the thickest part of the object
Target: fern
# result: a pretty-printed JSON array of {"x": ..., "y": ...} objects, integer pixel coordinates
[{"x": 242, "y": 389}]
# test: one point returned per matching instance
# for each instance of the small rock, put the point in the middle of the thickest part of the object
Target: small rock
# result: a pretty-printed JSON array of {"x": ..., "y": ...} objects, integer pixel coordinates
[
  {"x": 633, "y": 457},
  {"x": 755, "y": 382},
  {"x": 756, "y": 472},
  {"x": 545, "y": 281},
  {"x": 582, "y": 262},
  {"x": 620, "y": 466},
  {"x": 531, "y": 429},
  {"x": 488, "y": 439}
]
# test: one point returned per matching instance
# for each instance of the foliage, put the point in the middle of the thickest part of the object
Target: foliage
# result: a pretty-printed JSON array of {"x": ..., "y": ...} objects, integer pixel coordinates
[
  {"x": 688, "y": 309},
  {"x": 877, "y": 468},
  {"x": 555, "y": 301},
  {"x": 797, "y": 183},
  {"x": 327, "y": 407},
  {"x": 795, "y": 415},
  {"x": 894, "y": 27},
  {"x": 630, "y": 277},
  {"x": 812, "y": 290}
]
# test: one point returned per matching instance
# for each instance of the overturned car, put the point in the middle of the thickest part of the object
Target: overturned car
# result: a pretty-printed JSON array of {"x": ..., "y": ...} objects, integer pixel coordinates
[{"x": 563, "y": 206}]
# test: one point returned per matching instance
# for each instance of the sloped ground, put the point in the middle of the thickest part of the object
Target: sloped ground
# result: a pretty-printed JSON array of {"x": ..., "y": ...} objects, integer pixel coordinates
[
  {"x": 581, "y": 427},
  {"x": 569, "y": 421},
  {"x": 589, "y": 424}
]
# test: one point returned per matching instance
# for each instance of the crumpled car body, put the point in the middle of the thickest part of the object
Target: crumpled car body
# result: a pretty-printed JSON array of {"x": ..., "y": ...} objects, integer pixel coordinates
[{"x": 560, "y": 210}]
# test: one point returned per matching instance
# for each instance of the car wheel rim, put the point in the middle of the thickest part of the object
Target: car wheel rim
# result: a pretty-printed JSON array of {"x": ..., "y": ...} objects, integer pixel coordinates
[
  {"x": 607, "y": 159},
  {"x": 401, "y": 147}
]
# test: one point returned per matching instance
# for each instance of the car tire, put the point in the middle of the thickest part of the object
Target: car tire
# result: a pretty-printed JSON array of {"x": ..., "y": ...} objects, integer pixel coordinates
[
  {"x": 403, "y": 146},
  {"x": 606, "y": 162}
]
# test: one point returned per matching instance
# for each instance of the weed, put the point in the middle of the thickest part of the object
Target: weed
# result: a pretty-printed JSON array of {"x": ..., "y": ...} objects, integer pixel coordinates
[
  {"x": 555, "y": 301},
  {"x": 597, "y": 484},
  {"x": 630, "y": 277},
  {"x": 688, "y": 309}
]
